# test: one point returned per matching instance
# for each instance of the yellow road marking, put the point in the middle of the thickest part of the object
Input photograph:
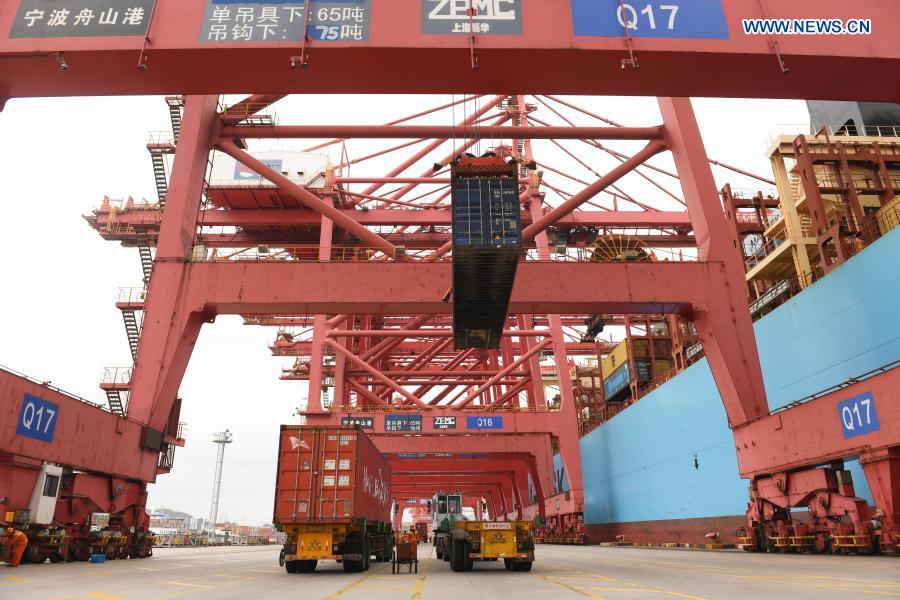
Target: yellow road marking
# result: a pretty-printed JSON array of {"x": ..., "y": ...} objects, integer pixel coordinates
[
  {"x": 193, "y": 585},
  {"x": 571, "y": 588},
  {"x": 18, "y": 580},
  {"x": 97, "y": 573},
  {"x": 636, "y": 587},
  {"x": 685, "y": 596},
  {"x": 386, "y": 587},
  {"x": 349, "y": 586},
  {"x": 100, "y": 596},
  {"x": 628, "y": 589}
]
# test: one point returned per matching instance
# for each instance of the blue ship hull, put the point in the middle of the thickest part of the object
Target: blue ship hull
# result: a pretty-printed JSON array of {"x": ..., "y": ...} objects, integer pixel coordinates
[{"x": 665, "y": 469}]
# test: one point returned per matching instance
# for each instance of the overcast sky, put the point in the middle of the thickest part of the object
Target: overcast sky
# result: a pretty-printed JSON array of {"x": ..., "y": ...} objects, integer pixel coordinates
[{"x": 59, "y": 279}]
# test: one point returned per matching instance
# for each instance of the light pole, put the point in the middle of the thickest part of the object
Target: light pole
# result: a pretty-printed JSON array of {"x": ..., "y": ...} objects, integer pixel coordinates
[{"x": 221, "y": 438}]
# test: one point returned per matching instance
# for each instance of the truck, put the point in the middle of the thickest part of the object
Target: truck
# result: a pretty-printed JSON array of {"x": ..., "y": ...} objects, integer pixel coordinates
[
  {"x": 332, "y": 498},
  {"x": 460, "y": 541}
]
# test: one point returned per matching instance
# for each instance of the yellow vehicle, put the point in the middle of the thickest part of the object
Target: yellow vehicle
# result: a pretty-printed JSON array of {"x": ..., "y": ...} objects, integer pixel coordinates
[
  {"x": 491, "y": 540},
  {"x": 353, "y": 543}
]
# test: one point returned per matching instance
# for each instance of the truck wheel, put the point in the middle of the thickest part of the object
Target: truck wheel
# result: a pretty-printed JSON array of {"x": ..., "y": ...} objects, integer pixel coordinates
[
  {"x": 439, "y": 554},
  {"x": 456, "y": 556},
  {"x": 281, "y": 558},
  {"x": 352, "y": 566},
  {"x": 508, "y": 563},
  {"x": 523, "y": 566},
  {"x": 292, "y": 566},
  {"x": 307, "y": 566},
  {"x": 467, "y": 561}
]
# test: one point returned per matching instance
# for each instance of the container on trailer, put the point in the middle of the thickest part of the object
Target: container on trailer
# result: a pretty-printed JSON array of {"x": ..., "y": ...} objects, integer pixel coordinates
[{"x": 329, "y": 474}]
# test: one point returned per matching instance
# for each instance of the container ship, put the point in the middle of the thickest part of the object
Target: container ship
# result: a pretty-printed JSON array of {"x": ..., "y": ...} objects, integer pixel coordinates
[{"x": 658, "y": 456}]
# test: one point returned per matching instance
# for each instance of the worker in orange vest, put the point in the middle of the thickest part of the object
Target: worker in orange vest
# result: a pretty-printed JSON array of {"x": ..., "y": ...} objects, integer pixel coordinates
[
  {"x": 15, "y": 542},
  {"x": 413, "y": 540}
]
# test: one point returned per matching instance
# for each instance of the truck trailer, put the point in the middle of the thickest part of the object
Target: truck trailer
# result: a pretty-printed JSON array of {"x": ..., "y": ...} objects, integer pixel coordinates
[
  {"x": 332, "y": 498},
  {"x": 461, "y": 541}
]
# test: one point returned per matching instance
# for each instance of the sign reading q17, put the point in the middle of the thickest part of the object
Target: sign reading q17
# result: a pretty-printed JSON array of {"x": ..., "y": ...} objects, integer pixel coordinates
[
  {"x": 37, "y": 420},
  {"x": 81, "y": 18},
  {"x": 858, "y": 415},
  {"x": 491, "y": 17},
  {"x": 700, "y": 19}
]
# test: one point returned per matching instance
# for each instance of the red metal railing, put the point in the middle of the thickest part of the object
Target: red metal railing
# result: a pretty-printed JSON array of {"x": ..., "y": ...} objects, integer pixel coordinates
[
  {"x": 116, "y": 376},
  {"x": 407, "y": 408},
  {"x": 310, "y": 253}
]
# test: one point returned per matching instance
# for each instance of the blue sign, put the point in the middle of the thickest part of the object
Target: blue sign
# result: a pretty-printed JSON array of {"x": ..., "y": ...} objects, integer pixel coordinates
[
  {"x": 700, "y": 19},
  {"x": 37, "y": 419},
  {"x": 490, "y": 422},
  {"x": 244, "y": 173},
  {"x": 858, "y": 415},
  {"x": 403, "y": 422}
]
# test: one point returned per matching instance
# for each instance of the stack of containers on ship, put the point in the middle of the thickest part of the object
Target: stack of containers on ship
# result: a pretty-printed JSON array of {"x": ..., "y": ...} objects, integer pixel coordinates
[{"x": 487, "y": 243}]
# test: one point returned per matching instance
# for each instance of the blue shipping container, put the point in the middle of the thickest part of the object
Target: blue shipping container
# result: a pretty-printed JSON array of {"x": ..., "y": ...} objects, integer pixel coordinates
[
  {"x": 486, "y": 212},
  {"x": 617, "y": 381}
]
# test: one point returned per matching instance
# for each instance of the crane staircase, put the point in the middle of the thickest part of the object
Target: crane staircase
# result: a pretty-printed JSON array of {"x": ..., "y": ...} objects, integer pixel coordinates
[{"x": 116, "y": 381}]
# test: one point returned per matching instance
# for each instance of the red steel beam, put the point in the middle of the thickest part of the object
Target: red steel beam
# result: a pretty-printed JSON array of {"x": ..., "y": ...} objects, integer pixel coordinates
[
  {"x": 485, "y": 132},
  {"x": 309, "y": 199},
  {"x": 413, "y": 333},
  {"x": 376, "y": 374},
  {"x": 652, "y": 149},
  {"x": 503, "y": 373},
  {"x": 812, "y": 433},
  {"x": 735, "y": 65},
  {"x": 433, "y": 145},
  {"x": 418, "y": 288},
  {"x": 422, "y": 217},
  {"x": 377, "y": 351}
]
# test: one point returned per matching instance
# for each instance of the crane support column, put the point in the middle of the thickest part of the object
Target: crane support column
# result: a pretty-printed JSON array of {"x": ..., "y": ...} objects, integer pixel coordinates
[
  {"x": 725, "y": 327},
  {"x": 170, "y": 326}
]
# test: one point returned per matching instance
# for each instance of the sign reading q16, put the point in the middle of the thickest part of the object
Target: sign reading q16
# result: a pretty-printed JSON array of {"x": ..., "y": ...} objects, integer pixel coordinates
[
  {"x": 37, "y": 420},
  {"x": 858, "y": 415}
]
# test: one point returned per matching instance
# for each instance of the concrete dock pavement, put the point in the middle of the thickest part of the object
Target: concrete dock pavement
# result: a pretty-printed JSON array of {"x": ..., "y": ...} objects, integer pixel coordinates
[{"x": 567, "y": 572}]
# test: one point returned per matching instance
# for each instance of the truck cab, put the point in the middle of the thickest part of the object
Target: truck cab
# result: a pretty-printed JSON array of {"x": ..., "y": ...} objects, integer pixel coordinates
[{"x": 446, "y": 511}]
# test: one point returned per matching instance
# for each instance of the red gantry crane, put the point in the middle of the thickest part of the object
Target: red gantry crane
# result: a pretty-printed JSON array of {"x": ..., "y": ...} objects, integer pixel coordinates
[{"x": 368, "y": 269}]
